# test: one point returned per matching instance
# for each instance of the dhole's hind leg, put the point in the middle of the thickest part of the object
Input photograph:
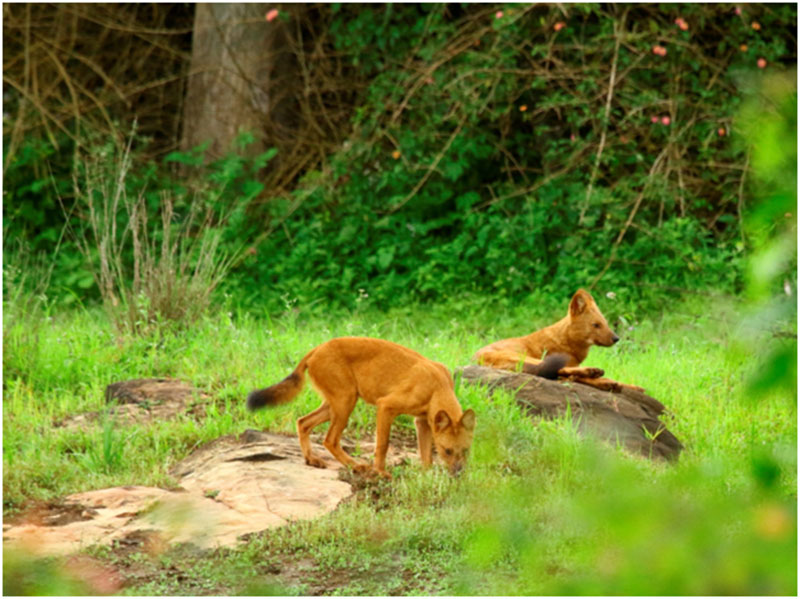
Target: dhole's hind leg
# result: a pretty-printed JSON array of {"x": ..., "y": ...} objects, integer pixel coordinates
[
  {"x": 338, "y": 390},
  {"x": 304, "y": 427},
  {"x": 334, "y": 437}
]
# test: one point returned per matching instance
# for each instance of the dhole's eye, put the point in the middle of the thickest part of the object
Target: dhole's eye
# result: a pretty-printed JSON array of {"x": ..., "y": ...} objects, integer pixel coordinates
[
  {"x": 448, "y": 451},
  {"x": 597, "y": 325}
]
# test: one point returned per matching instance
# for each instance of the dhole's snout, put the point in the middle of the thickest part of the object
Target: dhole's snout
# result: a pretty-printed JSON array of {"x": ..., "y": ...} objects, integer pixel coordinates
[
  {"x": 614, "y": 338},
  {"x": 456, "y": 469}
]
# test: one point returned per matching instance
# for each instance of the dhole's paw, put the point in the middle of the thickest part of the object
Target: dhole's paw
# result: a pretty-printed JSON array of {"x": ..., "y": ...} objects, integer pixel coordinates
[
  {"x": 384, "y": 474},
  {"x": 607, "y": 385},
  {"x": 316, "y": 462},
  {"x": 362, "y": 467}
]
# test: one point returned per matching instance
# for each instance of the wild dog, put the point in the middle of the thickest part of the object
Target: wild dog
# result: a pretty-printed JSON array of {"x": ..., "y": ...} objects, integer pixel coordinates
[
  {"x": 391, "y": 377},
  {"x": 571, "y": 337}
]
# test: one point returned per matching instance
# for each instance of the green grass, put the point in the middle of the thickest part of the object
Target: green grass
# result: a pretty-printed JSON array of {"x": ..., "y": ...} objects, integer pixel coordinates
[{"x": 539, "y": 510}]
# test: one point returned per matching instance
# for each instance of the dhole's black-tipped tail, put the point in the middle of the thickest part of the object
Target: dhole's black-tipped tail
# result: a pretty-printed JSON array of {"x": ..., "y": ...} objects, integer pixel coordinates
[
  {"x": 282, "y": 392},
  {"x": 549, "y": 367}
]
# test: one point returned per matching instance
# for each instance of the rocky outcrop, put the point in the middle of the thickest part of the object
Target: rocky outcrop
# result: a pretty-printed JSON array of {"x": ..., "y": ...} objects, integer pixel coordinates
[
  {"x": 227, "y": 488},
  {"x": 629, "y": 418}
]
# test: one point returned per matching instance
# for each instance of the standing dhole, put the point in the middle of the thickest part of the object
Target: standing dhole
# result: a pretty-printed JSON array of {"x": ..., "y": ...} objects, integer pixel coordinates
[
  {"x": 569, "y": 340},
  {"x": 389, "y": 376}
]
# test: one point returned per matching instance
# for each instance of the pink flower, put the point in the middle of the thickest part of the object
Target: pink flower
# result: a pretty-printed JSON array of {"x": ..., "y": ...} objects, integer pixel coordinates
[
  {"x": 653, "y": 119},
  {"x": 682, "y": 24},
  {"x": 737, "y": 10},
  {"x": 721, "y": 131},
  {"x": 572, "y": 137},
  {"x": 659, "y": 50},
  {"x": 272, "y": 14},
  {"x": 559, "y": 26},
  {"x": 762, "y": 63},
  {"x": 665, "y": 120},
  {"x": 498, "y": 14}
]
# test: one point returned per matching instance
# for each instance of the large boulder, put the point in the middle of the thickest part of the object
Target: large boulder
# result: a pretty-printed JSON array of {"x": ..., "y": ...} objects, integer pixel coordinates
[{"x": 627, "y": 417}]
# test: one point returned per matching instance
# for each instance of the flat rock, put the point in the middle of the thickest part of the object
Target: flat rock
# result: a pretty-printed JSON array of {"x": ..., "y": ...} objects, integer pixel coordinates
[
  {"x": 627, "y": 417},
  {"x": 228, "y": 487}
]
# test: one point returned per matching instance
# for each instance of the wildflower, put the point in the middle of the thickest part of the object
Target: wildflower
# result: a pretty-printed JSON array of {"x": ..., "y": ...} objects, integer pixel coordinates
[
  {"x": 743, "y": 47},
  {"x": 659, "y": 50},
  {"x": 721, "y": 131},
  {"x": 682, "y": 24},
  {"x": 762, "y": 63},
  {"x": 498, "y": 14},
  {"x": 653, "y": 119},
  {"x": 272, "y": 14},
  {"x": 523, "y": 108},
  {"x": 396, "y": 154},
  {"x": 755, "y": 25},
  {"x": 665, "y": 120},
  {"x": 572, "y": 137},
  {"x": 738, "y": 10},
  {"x": 559, "y": 26}
]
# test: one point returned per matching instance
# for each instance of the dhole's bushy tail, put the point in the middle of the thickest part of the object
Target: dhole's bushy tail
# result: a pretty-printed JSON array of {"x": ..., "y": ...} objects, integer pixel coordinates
[
  {"x": 549, "y": 367},
  {"x": 282, "y": 392}
]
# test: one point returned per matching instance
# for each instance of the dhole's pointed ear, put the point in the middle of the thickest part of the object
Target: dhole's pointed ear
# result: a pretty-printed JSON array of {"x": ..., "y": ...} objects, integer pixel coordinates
[
  {"x": 441, "y": 422},
  {"x": 579, "y": 302},
  {"x": 468, "y": 420}
]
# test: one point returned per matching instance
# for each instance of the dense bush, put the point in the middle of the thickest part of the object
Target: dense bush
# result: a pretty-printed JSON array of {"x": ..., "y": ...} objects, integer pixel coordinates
[
  {"x": 491, "y": 155},
  {"x": 501, "y": 150}
]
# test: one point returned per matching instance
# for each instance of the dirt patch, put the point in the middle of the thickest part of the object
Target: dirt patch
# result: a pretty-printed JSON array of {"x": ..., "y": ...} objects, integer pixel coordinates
[{"x": 53, "y": 513}]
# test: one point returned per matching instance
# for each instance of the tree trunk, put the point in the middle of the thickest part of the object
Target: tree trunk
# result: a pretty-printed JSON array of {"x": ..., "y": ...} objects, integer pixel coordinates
[{"x": 234, "y": 51}]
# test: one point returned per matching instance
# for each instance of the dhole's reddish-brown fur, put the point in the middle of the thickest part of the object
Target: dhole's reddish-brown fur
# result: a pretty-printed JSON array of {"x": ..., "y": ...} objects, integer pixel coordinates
[
  {"x": 572, "y": 337},
  {"x": 389, "y": 376}
]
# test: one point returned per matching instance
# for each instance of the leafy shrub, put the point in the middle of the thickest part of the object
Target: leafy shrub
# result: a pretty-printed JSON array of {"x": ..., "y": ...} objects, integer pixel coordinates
[{"x": 491, "y": 154}]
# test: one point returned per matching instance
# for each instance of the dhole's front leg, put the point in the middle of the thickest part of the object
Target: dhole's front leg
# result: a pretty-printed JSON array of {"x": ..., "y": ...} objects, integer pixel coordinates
[
  {"x": 383, "y": 427},
  {"x": 584, "y": 372},
  {"x": 607, "y": 384},
  {"x": 424, "y": 440}
]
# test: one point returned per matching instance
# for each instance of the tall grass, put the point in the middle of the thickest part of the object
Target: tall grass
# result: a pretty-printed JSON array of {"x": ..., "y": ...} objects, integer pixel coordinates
[{"x": 148, "y": 273}]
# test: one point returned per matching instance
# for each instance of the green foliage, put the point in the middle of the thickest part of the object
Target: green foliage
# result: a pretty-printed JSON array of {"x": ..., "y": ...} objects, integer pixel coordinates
[
  {"x": 483, "y": 159},
  {"x": 769, "y": 118},
  {"x": 489, "y": 155}
]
